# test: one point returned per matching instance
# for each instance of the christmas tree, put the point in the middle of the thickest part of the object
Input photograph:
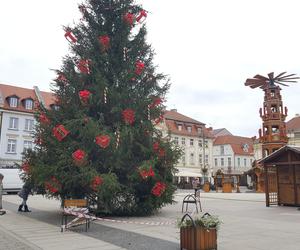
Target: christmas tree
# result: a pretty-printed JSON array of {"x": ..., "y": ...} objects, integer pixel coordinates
[{"x": 101, "y": 141}]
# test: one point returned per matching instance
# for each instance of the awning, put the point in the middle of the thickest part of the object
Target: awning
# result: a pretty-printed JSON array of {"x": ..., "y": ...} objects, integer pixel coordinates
[{"x": 186, "y": 173}]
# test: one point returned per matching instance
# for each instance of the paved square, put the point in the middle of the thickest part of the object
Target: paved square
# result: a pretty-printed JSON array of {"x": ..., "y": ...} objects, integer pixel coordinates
[{"x": 247, "y": 224}]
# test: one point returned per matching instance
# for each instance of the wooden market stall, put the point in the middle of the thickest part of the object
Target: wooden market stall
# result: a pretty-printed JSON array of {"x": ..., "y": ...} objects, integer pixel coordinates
[
  {"x": 227, "y": 181},
  {"x": 282, "y": 176}
]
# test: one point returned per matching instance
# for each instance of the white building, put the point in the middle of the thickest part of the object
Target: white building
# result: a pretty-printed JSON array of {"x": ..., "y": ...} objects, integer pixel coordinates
[
  {"x": 233, "y": 153},
  {"x": 293, "y": 130},
  {"x": 17, "y": 123},
  {"x": 195, "y": 140}
]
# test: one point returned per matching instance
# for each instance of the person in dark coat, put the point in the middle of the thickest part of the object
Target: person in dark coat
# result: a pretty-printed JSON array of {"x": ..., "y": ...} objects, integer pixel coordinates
[{"x": 24, "y": 193}]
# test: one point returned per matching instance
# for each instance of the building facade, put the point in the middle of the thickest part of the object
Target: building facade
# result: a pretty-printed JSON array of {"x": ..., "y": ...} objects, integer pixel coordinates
[
  {"x": 232, "y": 153},
  {"x": 17, "y": 122},
  {"x": 293, "y": 130},
  {"x": 196, "y": 142}
]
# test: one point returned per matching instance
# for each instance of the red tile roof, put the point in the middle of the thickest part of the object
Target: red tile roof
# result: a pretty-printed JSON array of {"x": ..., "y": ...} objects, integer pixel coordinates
[
  {"x": 173, "y": 119},
  {"x": 293, "y": 124},
  {"x": 236, "y": 142},
  {"x": 22, "y": 93},
  {"x": 174, "y": 115},
  {"x": 49, "y": 98}
]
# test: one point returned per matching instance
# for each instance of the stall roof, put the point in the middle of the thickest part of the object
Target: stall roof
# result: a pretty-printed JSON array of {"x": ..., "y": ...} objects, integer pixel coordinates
[{"x": 295, "y": 149}]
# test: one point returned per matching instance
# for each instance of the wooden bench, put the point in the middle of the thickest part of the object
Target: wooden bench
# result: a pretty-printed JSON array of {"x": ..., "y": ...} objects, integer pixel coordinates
[{"x": 77, "y": 208}]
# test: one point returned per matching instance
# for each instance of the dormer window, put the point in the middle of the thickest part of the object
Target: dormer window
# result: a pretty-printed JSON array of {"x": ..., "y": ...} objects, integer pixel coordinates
[
  {"x": 28, "y": 104},
  {"x": 179, "y": 127},
  {"x": 13, "y": 101},
  {"x": 189, "y": 129},
  {"x": 245, "y": 147}
]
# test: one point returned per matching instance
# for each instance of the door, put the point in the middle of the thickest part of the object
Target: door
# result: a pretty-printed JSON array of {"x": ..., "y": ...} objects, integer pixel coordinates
[
  {"x": 286, "y": 185},
  {"x": 272, "y": 186},
  {"x": 297, "y": 171}
]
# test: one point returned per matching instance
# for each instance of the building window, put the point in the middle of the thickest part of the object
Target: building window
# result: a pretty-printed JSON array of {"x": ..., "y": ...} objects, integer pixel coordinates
[
  {"x": 222, "y": 149},
  {"x": 183, "y": 141},
  {"x": 222, "y": 162},
  {"x": 176, "y": 140},
  {"x": 206, "y": 143},
  {"x": 29, "y": 123},
  {"x": 13, "y": 123},
  {"x": 239, "y": 162},
  {"x": 192, "y": 159},
  {"x": 200, "y": 143},
  {"x": 192, "y": 142},
  {"x": 11, "y": 146},
  {"x": 199, "y": 131},
  {"x": 27, "y": 145},
  {"x": 251, "y": 160},
  {"x": 13, "y": 102},
  {"x": 200, "y": 159},
  {"x": 206, "y": 159},
  {"x": 245, "y": 162},
  {"x": 179, "y": 127},
  {"x": 229, "y": 162},
  {"x": 297, "y": 135},
  {"x": 28, "y": 104},
  {"x": 189, "y": 129},
  {"x": 216, "y": 162}
]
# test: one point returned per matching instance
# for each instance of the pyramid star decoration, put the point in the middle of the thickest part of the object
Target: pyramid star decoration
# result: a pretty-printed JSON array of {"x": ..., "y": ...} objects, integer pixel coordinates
[{"x": 270, "y": 81}]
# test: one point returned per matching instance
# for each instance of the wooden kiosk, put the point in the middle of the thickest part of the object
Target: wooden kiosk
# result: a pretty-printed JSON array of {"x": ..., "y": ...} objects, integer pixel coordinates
[
  {"x": 227, "y": 181},
  {"x": 282, "y": 176}
]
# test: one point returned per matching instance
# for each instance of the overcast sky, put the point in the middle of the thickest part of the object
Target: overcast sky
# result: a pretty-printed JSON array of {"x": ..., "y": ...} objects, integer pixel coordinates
[{"x": 208, "y": 48}]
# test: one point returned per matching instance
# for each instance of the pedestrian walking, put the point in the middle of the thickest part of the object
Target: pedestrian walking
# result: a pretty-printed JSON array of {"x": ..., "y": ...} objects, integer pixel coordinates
[
  {"x": 24, "y": 193},
  {"x": 1, "y": 189}
]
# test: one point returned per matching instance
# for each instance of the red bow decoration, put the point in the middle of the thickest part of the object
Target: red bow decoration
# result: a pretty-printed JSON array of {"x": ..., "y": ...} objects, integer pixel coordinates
[
  {"x": 103, "y": 141},
  {"x": 159, "y": 119},
  {"x": 145, "y": 174},
  {"x": 158, "y": 188},
  {"x": 96, "y": 182},
  {"x": 38, "y": 141},
  {"x": 44, "y": 119},
  {"x": 61, "y": 77},
  {"x": 60, "y": 132},
  {"x": 155, "y": 146},
  {"x": 160, "y": 151},
  {"x": 142, "y": 16},
  {"x": 129, "y": 18},
  {"x": 53, "y": 185},
  {"x": 84, "y": 95},
  {"x": 156, "y": 102},
  {"x": 139, "y": 67},
  {"x": 128, "y": 116},
  {"x": 104, "y": 41},
  {"x": 84, "y": 66},
  {"x": 25, "y": 167},
  {"x": 78, "y": 155},
  {"x": 70, "y": 36}
]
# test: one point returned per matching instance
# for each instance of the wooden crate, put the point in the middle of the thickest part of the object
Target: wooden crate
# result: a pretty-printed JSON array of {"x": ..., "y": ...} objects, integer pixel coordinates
[
  {"x": 198, "y": 238},
  {"x": 227, "y": 188},
  {"x": 206, "y": 187}
]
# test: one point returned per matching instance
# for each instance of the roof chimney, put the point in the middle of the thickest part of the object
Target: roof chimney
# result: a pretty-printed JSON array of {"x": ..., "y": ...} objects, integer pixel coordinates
[
  {"x": 38, "y": 95},
  {"x": 174, "y": 110},
  {"x": 297, "y": 115}
]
